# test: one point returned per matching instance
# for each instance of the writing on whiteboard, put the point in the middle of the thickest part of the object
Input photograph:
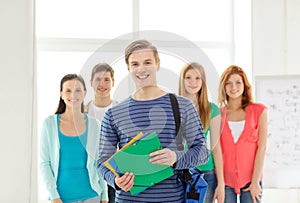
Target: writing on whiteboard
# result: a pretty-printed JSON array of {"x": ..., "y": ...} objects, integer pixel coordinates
[{"x": 281, "y": 94}]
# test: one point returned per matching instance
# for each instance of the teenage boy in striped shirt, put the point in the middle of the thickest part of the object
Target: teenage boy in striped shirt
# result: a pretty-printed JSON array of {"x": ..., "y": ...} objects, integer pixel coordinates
[{"x": 149, "y": 110}]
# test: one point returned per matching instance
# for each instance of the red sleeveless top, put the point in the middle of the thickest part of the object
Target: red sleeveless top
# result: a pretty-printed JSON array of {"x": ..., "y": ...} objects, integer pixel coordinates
[{"x": 239, "y": 157}]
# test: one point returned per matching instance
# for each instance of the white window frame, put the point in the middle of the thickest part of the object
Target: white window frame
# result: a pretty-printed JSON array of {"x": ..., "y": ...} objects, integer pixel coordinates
[{"x": 235, "y": 47}]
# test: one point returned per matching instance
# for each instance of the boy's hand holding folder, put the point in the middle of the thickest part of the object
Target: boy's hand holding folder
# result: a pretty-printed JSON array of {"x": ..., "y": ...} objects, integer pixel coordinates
[{"x": 134, "y": 157}]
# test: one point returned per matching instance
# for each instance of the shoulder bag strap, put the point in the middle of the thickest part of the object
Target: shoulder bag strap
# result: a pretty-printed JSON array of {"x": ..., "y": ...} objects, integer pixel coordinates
[
  {"x": 176, "y": 114},
  {"x": 187, "y": 177}
]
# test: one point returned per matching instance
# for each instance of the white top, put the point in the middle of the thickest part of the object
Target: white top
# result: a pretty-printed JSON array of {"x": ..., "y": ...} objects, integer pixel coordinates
[
  {"x": 236, "y": 128},
  {"x": 98, "y": 112}
]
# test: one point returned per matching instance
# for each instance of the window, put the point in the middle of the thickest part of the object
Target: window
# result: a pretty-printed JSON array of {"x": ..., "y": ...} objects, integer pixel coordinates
[
  {"x": 206, "y": 21},
  {"x": 89, "y": 19},
  {"x": 69, "y": 33}
]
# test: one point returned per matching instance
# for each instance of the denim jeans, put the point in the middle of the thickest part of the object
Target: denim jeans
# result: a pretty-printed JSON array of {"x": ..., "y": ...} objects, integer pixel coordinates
[
  {"x": 245, "y": 197},
  {"x": 210, "y": 178}
]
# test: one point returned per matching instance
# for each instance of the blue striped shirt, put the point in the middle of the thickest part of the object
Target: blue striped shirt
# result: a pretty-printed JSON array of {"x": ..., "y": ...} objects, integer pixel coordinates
[{"x": 123, "y": 121}]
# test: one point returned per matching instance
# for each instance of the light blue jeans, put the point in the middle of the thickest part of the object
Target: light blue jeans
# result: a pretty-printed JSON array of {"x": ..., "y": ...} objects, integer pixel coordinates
[
  {"x": 245, "y": 197},
  {"x": 91, "y": 200},
  {"x": 210, "y": 178}
]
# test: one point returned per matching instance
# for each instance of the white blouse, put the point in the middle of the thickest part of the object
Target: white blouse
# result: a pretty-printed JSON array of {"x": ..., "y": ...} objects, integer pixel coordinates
[{"x": 236, "y": 128}]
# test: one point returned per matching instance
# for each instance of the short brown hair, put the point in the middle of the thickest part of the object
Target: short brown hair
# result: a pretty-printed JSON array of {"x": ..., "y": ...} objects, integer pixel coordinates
[
  {"x": 139, "y": 45},
  {"x": 102, "y": 67}
]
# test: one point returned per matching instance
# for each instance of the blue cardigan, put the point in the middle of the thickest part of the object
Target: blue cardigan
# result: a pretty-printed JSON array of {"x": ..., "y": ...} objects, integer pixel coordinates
[{"x": 49, "y": 156}]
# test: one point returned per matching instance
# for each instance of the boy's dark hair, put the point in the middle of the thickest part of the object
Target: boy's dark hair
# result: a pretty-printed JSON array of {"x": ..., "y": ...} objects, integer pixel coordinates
[
  {"x": 139, "y": 45},
  {"x": 103, "y": 67}
]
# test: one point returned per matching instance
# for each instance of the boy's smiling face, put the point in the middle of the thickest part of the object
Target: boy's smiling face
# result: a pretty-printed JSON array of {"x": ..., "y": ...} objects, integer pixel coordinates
[
  {"x": 102, "y": 83},
  {"x": 143, "y": 67}
]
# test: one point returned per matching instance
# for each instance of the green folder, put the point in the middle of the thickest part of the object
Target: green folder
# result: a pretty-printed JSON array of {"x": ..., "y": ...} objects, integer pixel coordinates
[{"x": 135, "y": 158}]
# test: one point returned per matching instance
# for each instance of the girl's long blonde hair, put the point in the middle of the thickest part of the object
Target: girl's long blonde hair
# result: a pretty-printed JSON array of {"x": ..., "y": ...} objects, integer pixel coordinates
[{"x": 202, "y": 94}]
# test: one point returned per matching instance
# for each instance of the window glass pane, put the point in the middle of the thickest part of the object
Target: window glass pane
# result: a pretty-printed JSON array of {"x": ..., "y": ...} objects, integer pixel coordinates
[
  {"x": 242, "y": 36},
  {"x": 83, "y": 19},
  {"x": 168, "y": 76},
  {"x": 199, "y": 20},
  {"x": 219, "y": 57},
  {"x": 52, "y": 66}
]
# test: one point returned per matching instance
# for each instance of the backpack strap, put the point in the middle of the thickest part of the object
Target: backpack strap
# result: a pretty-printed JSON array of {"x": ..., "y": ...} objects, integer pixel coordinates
[
  {"x": 186, "y": 174},
  {"x": 176, "y": 113},
  {"x": 187, "y": 177}
]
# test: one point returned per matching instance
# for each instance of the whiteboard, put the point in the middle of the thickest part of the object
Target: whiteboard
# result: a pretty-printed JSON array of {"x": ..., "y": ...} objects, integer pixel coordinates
[{"x": 281, "y": 94}]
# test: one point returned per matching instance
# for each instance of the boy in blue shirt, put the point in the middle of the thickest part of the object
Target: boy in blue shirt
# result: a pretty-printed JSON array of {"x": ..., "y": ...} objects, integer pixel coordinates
[{"x": 148, "y": 110}]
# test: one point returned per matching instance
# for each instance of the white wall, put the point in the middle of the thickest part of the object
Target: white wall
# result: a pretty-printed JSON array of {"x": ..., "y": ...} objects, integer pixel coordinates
[
  {"x": 275, "y": 32},
  {"x": 275, "y": 51},
  {"x": 16, "y": 87}
]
